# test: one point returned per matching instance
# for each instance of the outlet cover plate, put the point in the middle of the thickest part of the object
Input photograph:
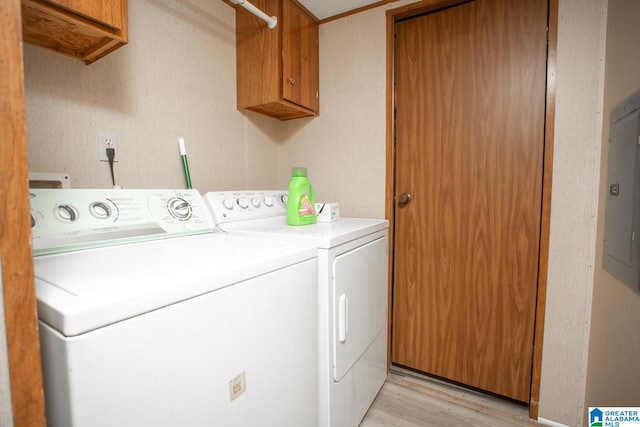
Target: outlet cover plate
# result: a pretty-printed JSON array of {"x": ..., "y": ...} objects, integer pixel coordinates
[
  {"x": 237, "y": 386},
  {"x": 107, "y": 140}
]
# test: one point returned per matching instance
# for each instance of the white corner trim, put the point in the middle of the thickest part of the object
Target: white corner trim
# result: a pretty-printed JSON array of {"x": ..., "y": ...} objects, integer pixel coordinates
[{"x": 6, "y": 408}]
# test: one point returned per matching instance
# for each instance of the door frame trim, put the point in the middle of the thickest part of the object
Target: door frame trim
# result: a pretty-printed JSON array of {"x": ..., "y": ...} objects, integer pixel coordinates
[
  {"x": 16, "y": 259},
  {"x": 420, "y": 7}
]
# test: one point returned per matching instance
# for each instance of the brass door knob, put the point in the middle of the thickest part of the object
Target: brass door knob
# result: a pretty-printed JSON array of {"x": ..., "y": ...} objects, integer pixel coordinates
[{"x": 404, "y": 199}]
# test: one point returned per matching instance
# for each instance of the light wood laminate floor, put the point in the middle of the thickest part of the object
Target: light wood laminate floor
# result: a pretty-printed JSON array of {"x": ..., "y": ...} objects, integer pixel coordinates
[{"x": 407, "y": 400}]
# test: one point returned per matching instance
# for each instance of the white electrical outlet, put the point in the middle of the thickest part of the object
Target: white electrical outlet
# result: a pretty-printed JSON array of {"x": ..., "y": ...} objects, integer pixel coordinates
[
  {"x": 237, "y": 386},
  {"x": 107, "y": 140}
]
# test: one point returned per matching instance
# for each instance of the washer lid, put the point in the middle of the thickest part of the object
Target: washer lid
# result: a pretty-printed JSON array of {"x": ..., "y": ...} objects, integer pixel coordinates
[
  {"x": 324, "y": 235},
  {"x": 85, "y": 290}
]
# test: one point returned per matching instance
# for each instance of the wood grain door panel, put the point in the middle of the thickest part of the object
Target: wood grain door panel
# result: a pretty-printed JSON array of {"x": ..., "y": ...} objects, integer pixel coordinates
[{"x": 470, "y": 105}]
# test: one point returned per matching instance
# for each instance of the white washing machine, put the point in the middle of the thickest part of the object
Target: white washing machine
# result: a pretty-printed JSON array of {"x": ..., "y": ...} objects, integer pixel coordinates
[
  {"x": 148, "y": 318},
  {"x": 352, "y": 295}
]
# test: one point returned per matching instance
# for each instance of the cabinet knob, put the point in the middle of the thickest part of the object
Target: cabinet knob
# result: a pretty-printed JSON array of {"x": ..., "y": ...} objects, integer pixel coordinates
[{"x": 292, "y": 80}]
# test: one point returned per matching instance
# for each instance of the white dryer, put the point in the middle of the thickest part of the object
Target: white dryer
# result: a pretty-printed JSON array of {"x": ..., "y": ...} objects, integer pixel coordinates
[
  {"x": 148, "y": 318},
  {"x": 352, "y": 295}
]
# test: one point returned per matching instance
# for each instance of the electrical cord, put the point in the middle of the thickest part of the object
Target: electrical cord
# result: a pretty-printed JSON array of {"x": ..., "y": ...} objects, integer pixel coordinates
[{"x": 111, "y": 154}]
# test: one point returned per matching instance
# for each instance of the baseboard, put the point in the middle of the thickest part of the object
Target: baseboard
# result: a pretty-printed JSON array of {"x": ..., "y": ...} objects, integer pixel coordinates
[{"x": 551, "y": 423}]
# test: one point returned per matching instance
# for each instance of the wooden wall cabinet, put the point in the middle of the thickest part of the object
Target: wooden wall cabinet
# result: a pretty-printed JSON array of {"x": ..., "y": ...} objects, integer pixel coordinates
[
  {"x": 84, "y": 29},
  {"x": 277, "y": 69}
]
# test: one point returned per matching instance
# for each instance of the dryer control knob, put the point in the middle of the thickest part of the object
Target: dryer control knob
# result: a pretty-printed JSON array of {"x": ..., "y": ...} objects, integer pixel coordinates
[
  {"x": 243, "y": 203},
  {"x": 228, "y": 203},
  {"x": 255, "y": 202},
  {"x": 268, "y": 201}
]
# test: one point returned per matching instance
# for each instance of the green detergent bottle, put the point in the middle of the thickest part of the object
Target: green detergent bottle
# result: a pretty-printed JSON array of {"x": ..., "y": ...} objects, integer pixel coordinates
[{"x": 301, "y": 202}]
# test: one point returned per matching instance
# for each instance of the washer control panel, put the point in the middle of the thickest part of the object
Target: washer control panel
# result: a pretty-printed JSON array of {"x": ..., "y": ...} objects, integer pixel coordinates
[
  {"x": 232, "y": 206},
  {"x": 70, "y": 219}
]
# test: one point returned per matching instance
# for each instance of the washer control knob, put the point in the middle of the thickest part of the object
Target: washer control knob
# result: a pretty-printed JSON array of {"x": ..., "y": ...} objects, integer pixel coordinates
[
  {"x": 66, "y": 213},
  {"x": 179, "y": 208},
  {"x": 228, "y": 203},
  {"x": 243, "y": 203},
  {"x": 268, "y": 201},
  {"x": 255, "y": 202},
  {"x": 100, "y": 210}
]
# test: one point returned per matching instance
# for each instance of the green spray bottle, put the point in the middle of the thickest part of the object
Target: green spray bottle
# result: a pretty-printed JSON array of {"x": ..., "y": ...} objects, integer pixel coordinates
[{"x": 301, "y": 202}]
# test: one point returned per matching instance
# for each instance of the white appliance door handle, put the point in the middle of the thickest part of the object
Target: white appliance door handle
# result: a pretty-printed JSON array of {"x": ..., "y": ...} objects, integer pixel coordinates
[{"x": 343, "y": 318}]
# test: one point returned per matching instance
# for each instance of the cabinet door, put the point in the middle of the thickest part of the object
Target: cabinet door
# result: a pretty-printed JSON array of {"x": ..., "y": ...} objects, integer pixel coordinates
[
  {"x": 258, "y": 56},
  {"x": 108, "y": 12},
  {"x": 300, "y": 57}
]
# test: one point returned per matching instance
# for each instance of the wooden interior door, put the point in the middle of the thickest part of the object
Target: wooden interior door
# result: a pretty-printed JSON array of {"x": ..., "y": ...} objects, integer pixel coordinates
[{"x": 470, "y": 110}]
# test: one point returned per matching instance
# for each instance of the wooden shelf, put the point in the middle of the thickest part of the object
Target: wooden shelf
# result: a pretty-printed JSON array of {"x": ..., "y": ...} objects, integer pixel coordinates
[{"x": 89, "y": 32}]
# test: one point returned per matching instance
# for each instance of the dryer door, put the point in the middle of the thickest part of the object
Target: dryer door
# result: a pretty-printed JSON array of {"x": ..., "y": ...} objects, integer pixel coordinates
[{"x": 359, "y": 302}]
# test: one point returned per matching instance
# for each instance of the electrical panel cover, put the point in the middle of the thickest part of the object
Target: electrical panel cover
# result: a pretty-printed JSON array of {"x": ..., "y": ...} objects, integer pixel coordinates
[{"x": 621, "y": 246}]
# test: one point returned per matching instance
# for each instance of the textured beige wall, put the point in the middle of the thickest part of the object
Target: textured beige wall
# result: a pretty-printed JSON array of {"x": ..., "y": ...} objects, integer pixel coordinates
[
  {"x": 574, "y": 208},
  {"x": 175, "y": 78},
  {"x": 344, "y": 148},
  {"x": 614, "y": 372}
]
